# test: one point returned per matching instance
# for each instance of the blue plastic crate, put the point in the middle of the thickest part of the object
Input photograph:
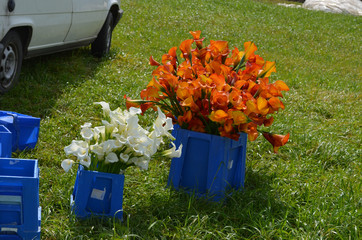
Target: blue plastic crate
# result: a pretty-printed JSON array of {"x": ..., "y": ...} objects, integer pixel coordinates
[
  {"x": 97, "y": 194},
  {"x": 20, "y": 213},
  {"x": 209, "y": 166},
  {"x": 5, "y": 142},
  {"x": 24, "y": 129}
]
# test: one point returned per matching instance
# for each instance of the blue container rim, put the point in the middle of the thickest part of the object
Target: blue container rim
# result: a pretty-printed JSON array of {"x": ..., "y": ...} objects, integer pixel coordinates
[
  {"x": 35, "y": 171},
  {"x": 203, "y": 135}
]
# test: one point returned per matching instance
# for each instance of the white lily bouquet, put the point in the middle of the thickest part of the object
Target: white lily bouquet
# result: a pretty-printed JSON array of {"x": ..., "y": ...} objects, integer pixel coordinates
[{"x": 120, "y": 142}]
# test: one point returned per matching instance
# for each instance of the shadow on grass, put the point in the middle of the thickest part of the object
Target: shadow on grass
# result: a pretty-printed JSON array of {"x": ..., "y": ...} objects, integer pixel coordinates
[
  {"x": 244, "y": 210},
  {"x": 43, "y": 80}
]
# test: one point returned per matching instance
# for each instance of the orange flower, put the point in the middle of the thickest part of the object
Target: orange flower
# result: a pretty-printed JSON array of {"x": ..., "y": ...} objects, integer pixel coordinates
[
  {"x": 186, "y": 118},
  {"x": 196, "y": 125},
  {"x": 251, "y": 107},
  {"x": 208, "y": 90},
  {"x": 262, "y": 105},
  {"x": 131, "y": 103},
  {"x": 276, "y": 140},
  {"x": 189, "y": 102},
  {"x": 252, "y": 131},
  {"x": 235, "y": 58},
  {"x": 275, "y": 103},
  {"x": 219, "y": 100},
  {"x": 219, "y": 82},
  {"x": 219, "y": 49},
  {"x": 171, "y": 57},
  {"x": 235, "y": 99},
  {"x": 153, "y": 62},
  {"x": 197, "y": 39},
  {"x": 183, "y": 91},
  {"x": 238, "y": 117},
  {"x": 218, "y": 116},
  {"x": 268, "y": 122},
  {"x": 268, "y": 69},
  {"x": 150, "y": 93},
  {"x": 185, "y": 48},
  {"x": 250, "y": 48}
]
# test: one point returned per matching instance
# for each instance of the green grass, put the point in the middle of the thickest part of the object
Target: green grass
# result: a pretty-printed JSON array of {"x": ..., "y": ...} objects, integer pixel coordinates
[{"x": 311, "y": 189}]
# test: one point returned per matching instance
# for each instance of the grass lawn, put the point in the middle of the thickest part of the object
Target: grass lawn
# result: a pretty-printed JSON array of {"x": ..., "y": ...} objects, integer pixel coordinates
[{"x": 311, "y": 189}]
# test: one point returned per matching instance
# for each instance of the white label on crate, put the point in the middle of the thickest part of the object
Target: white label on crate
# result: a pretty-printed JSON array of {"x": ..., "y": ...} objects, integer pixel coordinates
[
  {"x": 39, "y": 213},
  {"x": 98, "y": 194},
  {"x": 230, "y": 164},
  {"x": 6, "y": 229},
  {"x": 13, "y": 162}
]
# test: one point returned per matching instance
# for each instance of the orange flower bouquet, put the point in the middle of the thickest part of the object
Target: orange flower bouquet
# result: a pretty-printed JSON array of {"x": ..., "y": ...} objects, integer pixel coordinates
[{"x": 215, "y": 90}]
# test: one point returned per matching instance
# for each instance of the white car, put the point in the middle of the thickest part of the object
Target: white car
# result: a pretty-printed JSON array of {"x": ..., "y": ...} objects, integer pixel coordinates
[{"x": 36, "y": 27}]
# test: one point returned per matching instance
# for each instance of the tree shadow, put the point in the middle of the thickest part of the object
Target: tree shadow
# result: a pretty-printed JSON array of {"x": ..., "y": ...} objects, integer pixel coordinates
[{"x": 44, "y": 79}]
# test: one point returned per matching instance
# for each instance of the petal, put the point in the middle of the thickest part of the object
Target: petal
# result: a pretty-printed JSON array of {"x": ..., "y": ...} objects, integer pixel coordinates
[
  {"x": 124, "y": 157},
  {"x": 67, "y": 164},
  {"x": 86, "y": 161},
  {"x": 105, "y": 107},
  {"x": 153, "y": 62},
  {"x": 134, "y": 111},
  {"x": 279, "y": 84},
  {"x": 111, "y": 158}
]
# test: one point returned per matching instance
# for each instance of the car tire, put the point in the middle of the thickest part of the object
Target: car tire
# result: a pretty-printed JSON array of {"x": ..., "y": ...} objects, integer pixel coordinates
[
  {"x": 10, "y": 61},
  {"x": 100, "y": 47}
]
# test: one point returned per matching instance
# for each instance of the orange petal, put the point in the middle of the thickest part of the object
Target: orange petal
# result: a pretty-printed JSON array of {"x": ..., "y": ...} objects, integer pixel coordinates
[
  {"x": 251, "y": 106},
  {"x": 262, "y": 105},
  {"x": 276, "y": 140},
  {"x": 218, "y": 116},
  {"x": 185, "y": 47},
  {"x": 239, "y": 117},
  {"x": 275, "y": 103},
  {"x": 196, "y": 34},
  {"x": 279, "y": 84},
  {"x": 268, "y": 69},
  {"x": 153, "y": 62},
  {"x": 268, "y": 122},
  {"x": 172, "y": 51},
  {"x": 250, "y": 48}
]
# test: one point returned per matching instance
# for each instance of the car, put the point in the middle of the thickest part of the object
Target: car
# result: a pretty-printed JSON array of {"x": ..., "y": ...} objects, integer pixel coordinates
[{"x": 30, "y": 28}]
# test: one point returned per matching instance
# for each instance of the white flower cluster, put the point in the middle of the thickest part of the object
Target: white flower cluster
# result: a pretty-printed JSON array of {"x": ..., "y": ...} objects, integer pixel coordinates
[{"x": 120, "y": 142}]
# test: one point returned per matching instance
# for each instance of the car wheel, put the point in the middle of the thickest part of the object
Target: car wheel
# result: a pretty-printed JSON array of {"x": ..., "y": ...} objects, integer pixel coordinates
[
  {"x": 10, "y": 61},
  {"x": 102, "y": 44}
]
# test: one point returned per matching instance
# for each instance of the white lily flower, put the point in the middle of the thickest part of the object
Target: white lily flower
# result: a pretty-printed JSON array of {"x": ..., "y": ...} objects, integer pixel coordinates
[
  {"x": 162, "y": 125},
  {"x": 138, "y": 149},
  {"x": 109, "y": 127},
  {"x": 124, "y": 157},
  {"x": 100, "y": 133},
  {"x": 172, "y": 152},
  {"x": 132, "y": 122},
  {"x": 111, "y": 158},
  {"x": 98, "y": 150},
  {"x": 105, "y": 107},
  {"x": 67, "y": 164},
  {"x": 76, "y": 148},
  {"x": 120, "y": 138},
  {"x": 131, "y": 141},
  {"x": 108, "y": 146},
  {"x": 117, "y": 117},
  {"x": 86, "y": 161},
  {"x": 134, "y": 111},
  {"x": 141, "y": 162},
  {"x": 87, "y": 133}
]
